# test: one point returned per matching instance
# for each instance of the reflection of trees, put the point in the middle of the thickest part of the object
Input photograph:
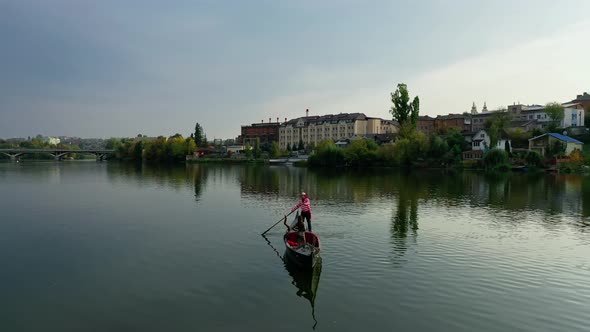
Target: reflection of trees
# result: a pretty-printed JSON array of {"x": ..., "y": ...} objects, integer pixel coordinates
[
  {"x": 341, "y": 188},
  {"x": 261, "y": 180},
  {"x": 198, "y": 176},
  {"x": 405, "y": 217}
]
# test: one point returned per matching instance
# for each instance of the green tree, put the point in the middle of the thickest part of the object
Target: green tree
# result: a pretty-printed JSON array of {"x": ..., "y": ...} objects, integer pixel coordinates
[
  {"x": 361, "y": 152},
  {"x": 410, "y": 149},
  {"x": 497, "y": 124},
  {"x": 438, "y": 147},
  {"x": 199, "y": 135},
  {"x": 301, "y": 146},
  {"x": 288, "y": 146},
  {"x": 175, "y": 148},
  {"x": 533, "y": 159},
  {"x": 274, "y": 150},
  {"x": 556, "y": 114},
  {"x": 137, "y": 151},
  {"x": 257, "y": 148},
  {"x": 403, "y": 111},
  {"x": 248, "y": 151},
  {"x": 327, "y": 154},
  {"x": 191, "y": 146},
  {"x": 112, "y": 143},
  {"x": 496, "y": 160},
  {"x": 556, "y": 149}
]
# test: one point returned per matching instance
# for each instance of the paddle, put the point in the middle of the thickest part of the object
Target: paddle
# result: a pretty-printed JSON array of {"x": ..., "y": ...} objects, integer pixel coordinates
[{"x": 271, "y": 227}]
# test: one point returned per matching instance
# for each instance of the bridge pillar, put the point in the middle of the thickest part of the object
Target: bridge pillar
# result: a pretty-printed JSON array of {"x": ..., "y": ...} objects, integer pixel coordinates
[
  {"x": 99, "y": 156},
  {"x": 13, "y": 156}
]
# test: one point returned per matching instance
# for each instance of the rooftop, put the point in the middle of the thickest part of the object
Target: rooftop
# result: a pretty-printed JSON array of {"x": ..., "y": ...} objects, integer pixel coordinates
[{"x": 559, "y": 137}]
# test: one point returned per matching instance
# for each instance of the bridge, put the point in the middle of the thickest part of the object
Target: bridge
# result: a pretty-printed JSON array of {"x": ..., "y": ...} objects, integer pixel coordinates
[{"x": 57, "y": 154}]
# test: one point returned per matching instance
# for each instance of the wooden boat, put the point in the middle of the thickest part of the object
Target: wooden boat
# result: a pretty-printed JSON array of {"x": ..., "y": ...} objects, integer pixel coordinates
[{"x": 302, "y": 247}]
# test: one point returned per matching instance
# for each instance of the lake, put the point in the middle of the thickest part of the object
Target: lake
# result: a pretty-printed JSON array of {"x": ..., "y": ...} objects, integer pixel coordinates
[{"x": 87, "y": 246}]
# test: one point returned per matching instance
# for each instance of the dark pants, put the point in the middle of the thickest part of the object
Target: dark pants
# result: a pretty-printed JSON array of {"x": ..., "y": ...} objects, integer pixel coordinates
[{"x": 307, "y": 216}]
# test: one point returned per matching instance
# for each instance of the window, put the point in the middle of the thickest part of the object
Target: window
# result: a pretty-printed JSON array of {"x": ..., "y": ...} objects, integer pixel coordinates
[
  {"x": 482, "y": 135},
  {"x": 538, "y": 116}
]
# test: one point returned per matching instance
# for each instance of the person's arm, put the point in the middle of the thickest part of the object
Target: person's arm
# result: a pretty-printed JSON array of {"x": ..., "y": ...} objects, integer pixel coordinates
[{"x": 297, "y": 206}]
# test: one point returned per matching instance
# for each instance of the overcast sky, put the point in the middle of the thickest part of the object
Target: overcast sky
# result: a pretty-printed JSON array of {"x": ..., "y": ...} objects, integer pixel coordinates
[{"x": 118, "y": 68}]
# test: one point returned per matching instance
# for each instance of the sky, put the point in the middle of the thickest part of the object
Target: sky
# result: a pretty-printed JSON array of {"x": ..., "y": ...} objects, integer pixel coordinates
[{"x": 120, "y": 68}]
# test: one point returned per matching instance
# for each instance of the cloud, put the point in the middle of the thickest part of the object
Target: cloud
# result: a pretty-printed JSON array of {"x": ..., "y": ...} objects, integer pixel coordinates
[{"x": 554, "y": 68}]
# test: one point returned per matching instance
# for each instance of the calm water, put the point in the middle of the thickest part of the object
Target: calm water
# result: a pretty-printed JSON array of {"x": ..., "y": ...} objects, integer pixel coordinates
[{"x": 88, "y": 246}]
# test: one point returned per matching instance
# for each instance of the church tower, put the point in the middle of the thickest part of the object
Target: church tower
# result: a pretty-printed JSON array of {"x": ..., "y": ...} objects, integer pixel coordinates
[
  {"x": 485, "y": 107},
  {"x": 473, "y": 109}
]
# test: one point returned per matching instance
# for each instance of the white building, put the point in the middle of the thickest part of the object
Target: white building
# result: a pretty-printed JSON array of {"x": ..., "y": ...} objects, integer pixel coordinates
[
  {"x": 573, "y": 115},
  {"x": 481, "y": 143}
]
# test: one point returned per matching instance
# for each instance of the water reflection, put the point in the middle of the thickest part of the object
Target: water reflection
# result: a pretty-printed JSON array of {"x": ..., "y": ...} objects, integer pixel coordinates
[
  {"x": 198, "y": 176},
  {"x": 551, "y": 194},
  {"x": 307, "y": 282}
]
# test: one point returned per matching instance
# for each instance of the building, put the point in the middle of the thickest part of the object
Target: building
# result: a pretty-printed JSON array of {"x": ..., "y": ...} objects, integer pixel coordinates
[
  {"x": 425, "y": 124},
  {"x": 481, "y": 142},
  {"x": 314, "y": 129},
  {"x": 573, "y": 115},
  {"x": 529, "y": 117},
  {"x": 231, "y": 149},
  {"x": 542, "y": 142},
  {"x": 429, "y": 125},
  {"x": 265, "y": 132},
  {"x": 457, "y": 121},
  {"x": 583, "y": 100}
]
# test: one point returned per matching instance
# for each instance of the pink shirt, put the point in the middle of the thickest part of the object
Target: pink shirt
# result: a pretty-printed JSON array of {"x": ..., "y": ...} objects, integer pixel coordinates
[{"x": 305, "y": 205}]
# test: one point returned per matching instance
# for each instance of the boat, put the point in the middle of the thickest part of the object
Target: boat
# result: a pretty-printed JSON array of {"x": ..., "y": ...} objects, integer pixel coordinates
[{"x": 302, "y": 247}]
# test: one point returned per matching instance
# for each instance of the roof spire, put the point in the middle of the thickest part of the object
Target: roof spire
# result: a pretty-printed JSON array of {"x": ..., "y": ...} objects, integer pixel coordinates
[
  {"x": 485, "y": 107},
  {"x": 473, "y": 109}
]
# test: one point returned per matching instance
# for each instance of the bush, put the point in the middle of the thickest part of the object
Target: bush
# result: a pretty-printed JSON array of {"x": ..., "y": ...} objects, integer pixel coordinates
[
  {"x": 361, "y": 152},
  {"x": 496, "y": 160},
  {"x": 411, "y": 149},
  {"x": 327, "y": 154},
  {"x": 533, "y": 159}
]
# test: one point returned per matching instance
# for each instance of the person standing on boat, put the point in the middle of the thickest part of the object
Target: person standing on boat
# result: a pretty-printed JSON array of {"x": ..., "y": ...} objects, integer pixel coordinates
[{"x": 305, "y": 206}]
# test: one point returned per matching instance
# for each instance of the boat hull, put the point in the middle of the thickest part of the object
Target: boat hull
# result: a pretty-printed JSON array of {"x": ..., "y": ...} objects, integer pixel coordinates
[{"x": 303, "y": 255}]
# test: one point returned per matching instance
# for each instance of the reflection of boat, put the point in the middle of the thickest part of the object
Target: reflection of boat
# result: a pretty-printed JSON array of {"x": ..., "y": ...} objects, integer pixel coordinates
[
  {"x": 306, "y": 281},
  {"x": 303, "y": 253}
]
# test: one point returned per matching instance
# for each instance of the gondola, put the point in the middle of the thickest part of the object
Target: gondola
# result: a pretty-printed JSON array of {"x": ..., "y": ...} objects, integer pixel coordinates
[{"x": 304, "y": 253}]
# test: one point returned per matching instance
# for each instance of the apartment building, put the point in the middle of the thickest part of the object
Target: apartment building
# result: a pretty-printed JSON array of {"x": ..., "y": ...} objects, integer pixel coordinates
[{"x": 314, "y": 129}]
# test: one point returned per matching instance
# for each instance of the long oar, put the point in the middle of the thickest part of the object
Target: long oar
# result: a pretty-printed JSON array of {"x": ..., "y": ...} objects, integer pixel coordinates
[{"x": 271, "y": 227}]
